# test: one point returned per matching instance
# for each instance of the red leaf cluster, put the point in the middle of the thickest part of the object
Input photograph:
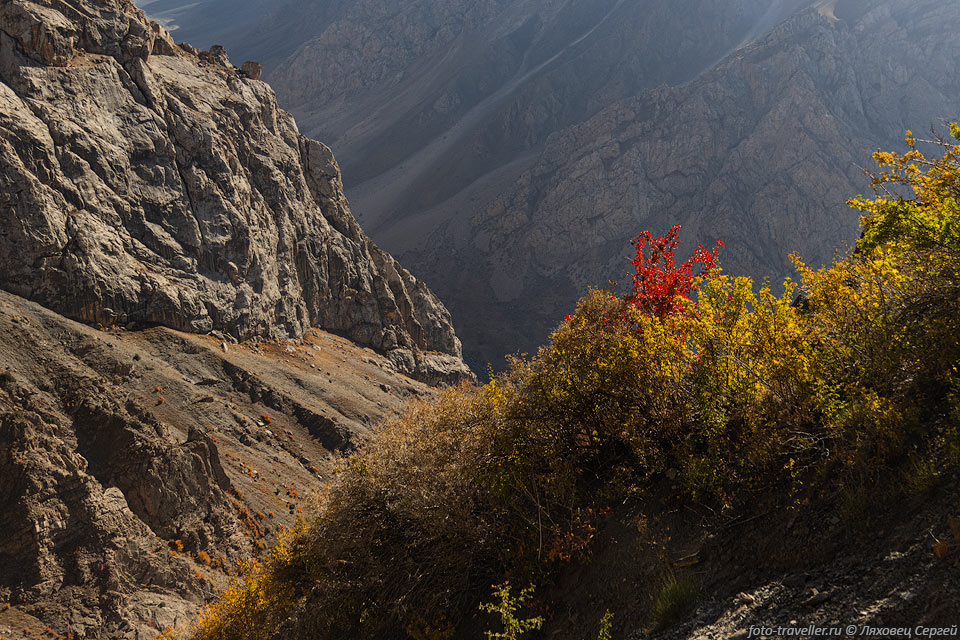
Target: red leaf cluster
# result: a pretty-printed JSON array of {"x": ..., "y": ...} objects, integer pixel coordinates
[{"x": 659, "y": 283}]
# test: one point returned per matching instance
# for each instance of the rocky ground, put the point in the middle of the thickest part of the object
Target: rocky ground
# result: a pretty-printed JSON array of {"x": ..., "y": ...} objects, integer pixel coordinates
[
  {"x": 138, "y": 467},
  {"x": 853, "y": 558}
]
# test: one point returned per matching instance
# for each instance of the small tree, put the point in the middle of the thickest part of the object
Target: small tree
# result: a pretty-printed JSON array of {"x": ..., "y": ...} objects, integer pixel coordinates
[
  {"x": 659, "y": 284},
  {"x": 507, "y": 608},
  {"x": 930, "y": 219}
]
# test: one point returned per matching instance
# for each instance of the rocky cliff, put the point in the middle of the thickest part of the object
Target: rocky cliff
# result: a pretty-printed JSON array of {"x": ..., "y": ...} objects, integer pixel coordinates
[
  {"x": 147, "y": 185},
  {"x": 144, "y": 182}
]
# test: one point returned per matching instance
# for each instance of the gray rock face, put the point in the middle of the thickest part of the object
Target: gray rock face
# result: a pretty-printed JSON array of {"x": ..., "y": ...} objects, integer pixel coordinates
[
  {"x": 49, "y": 559},
  {"x": 144, "y": 182}
]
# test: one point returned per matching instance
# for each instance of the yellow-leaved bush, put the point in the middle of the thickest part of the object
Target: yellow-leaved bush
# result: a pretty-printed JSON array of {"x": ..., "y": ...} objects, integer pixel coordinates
[{"x": 853, "y": 371}]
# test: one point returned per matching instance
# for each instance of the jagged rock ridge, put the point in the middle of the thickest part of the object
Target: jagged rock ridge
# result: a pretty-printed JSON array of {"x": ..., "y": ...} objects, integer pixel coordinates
[{"x": 146, "y": 182}]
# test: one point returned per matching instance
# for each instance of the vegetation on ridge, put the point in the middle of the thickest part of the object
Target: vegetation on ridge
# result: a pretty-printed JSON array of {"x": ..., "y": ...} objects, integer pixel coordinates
[{"x": 735, "y": 391}]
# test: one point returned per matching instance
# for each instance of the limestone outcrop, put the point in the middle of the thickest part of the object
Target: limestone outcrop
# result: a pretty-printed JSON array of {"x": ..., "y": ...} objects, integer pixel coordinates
[{"x": 144, "y": 182}]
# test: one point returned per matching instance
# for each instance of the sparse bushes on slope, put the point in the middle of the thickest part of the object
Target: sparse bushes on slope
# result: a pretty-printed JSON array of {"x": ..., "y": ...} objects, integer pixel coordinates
[
  {"x": 261, "y": 599},
  {"x": 735, "y": 390}
]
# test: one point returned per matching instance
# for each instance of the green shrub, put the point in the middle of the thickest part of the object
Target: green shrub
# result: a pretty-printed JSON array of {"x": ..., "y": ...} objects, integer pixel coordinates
[
  {"x": 606, "y": 627},
  {"x": 673, "y": 598},
  {"x": 506, "y": 606}
]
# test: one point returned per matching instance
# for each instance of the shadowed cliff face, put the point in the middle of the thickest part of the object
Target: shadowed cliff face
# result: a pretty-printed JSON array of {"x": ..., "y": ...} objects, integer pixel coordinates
[
  {"x": 508, "y": 152},
  {"x": 145, "y": 182}
]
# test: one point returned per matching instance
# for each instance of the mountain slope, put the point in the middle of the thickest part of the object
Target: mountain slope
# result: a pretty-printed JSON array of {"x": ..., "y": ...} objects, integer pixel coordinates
[
  {"x": 485, "y": 82},
  {"x": 761, "y": 151},
  {"x": 513, "y": 177},
  {"x": 510, "y": 152},
  {"x": 118, "y": 447}
]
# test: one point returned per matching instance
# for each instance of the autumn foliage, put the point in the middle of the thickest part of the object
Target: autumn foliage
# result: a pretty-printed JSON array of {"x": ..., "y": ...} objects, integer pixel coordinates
[
  {"x": 850, "y": 375},
  {"x": 660, "y": 285}
]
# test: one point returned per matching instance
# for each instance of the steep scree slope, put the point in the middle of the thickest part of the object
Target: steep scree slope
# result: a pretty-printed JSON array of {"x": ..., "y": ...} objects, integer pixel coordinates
[{"x": 138, "y": 467}]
